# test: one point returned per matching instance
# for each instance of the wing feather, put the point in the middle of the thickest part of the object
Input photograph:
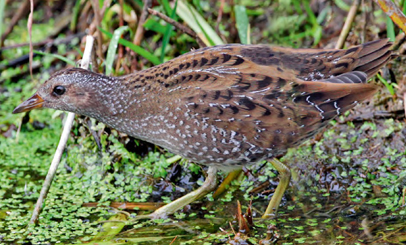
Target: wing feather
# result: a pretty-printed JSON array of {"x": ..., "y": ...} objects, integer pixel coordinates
[{"x": 275, "y": 97}]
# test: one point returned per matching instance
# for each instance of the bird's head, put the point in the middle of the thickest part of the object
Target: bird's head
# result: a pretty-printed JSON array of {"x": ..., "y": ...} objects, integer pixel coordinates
[{"x": 74, "y": 89}]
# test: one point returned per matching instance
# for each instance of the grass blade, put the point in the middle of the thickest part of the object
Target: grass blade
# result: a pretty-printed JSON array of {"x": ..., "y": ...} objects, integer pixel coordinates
[
  {"x": 317, "y": 30},
  {"x": 68, "y": 61},
  {"x": 113, "y": 48},
  {"x": 168, "y": 31},
  {"x": 75, "y": 15},
  {"x": 342, "y": 5},
  {"x": 198, "y": 24},
  {"x": 137, "y": 49},
  {"x": 110, "y": 230},
  {"x": 2, "y": 6},
  {"x": 194, "y": 12},
  {"x": 243, "y": 24},
  {"x": 387, "y": 85},
  {"x": 390, "y": 29},
  {"x": 391, "y": 10}
]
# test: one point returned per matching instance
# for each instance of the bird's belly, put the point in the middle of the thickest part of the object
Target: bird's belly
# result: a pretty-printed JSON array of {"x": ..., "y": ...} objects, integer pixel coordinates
[
  {"x": 201, "y": 143},
  {"x": 213, "y": 149}
]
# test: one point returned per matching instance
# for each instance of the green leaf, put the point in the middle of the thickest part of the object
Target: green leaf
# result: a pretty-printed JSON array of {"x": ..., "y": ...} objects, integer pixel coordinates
[
  {"x": 390, "y": 29},
  {"x": 387, "y": 85},
  {"x": 137, "y": 49},
  {"x": 198, "y": 24},
  {"x": 2, "y": 4},
  {"x": 75, "y": 15},
  {"x": 110, "y": 229},
  {"x": 167, "y": 6},
  {"x": 342, "y": 5},
  {"x": 242, "y": 23},
  {"x": 113, "y": 48},
  {"x": 317, "y": 30},
  {"x": 155, "y": 26},
  {"x": 168, "y": 31},
  {"x": 68, "y": 61}
]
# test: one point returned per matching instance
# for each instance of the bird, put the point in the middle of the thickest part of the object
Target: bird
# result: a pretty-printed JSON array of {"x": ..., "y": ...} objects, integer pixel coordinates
[{"x": 224, "y": 106}]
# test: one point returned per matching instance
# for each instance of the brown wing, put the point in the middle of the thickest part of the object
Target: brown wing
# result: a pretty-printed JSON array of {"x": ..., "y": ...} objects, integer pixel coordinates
[
  {"x": 207, "y": 67},
  {"x": 279, "y": 118},
  {"x": 275, "y": 97},
  {"x": 316, "y": 64}
]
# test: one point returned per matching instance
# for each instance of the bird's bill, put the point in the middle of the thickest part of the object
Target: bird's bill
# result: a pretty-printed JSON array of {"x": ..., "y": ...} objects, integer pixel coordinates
[{"x": 33, "y": 102}]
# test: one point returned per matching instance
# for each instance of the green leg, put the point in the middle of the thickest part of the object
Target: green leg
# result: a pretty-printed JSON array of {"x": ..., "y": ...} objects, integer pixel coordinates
[
  {"x": 226, "y": 182},
  {"x": 170, "y": 208},
  {"x": 284, "y": 178}
]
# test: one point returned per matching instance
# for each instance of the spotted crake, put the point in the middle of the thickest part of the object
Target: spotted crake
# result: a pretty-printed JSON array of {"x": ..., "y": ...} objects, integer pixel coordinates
[{"x": 224, "y": 106}]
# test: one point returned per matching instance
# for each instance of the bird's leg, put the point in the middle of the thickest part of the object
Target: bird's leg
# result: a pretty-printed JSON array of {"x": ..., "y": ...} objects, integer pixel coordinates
[
  {"x": 226, "y": 182},
  {"x": 170, "y": 208},
  {"x": 284, "y": 178}
]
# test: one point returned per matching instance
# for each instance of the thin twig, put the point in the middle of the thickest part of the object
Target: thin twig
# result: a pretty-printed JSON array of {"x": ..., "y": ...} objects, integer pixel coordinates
[
  {"x": 19, "y": 129},
  {"x": 347, "y": 24},
  {"x": 97, "y": 19},
  {"x": 31, "y": 53},
  {"x": 179, "y": 26},
  {"x": 29, "y": 27},
  {"x": 48, "y": 42},
  {"x": 120, "y": 47},
  {"x": 19, "y": 45},
  {"x": 140, "y": 28},
  {"x": 398, "y": 17},
  {"x": 173, "y": 240},
  {"x": 391, "y": 10},
  {"x": 219, "y": 17},
  {"x": 19, "y": 14},
  {"x": 62, "y": 142},
  {"x": 94, "y": 27},
  {"x": 140, "y": 32},
  {"x": 404, "y": 102}
]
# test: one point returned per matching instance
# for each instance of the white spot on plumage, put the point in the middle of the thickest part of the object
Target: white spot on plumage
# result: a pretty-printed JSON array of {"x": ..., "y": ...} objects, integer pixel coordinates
[{"x": 315, "y": 106}]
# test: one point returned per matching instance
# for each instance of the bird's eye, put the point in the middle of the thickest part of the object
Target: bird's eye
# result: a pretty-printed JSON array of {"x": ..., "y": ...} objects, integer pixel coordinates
[{"x": 59, "y": 90}]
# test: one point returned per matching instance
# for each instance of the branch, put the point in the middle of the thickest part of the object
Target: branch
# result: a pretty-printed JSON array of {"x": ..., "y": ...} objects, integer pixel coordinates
[
  {"x": 181, "y": 27},
  {"x": 62, "y": 142}
]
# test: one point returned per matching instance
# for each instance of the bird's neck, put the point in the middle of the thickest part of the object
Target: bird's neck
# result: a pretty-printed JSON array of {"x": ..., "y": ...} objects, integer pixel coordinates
[{"x": 133, "y": 106}]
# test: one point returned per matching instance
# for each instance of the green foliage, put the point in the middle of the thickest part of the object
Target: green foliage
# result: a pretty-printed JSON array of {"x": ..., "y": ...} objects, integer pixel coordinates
[
  {"x": 111, "y": 52},
  {"x": 388, "y": 85},
  {"x": 198, "y": 23},
  {"x": 242, "y": 23},
  {"x": 137, "y": 49},
  {"x": 359, "y": 161},
  {"x": 167, "y": 34},
  {"x": 66, "y": 60},
  {"x": 2, "y": 5},
  {"x": 390, "y": 29}
]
